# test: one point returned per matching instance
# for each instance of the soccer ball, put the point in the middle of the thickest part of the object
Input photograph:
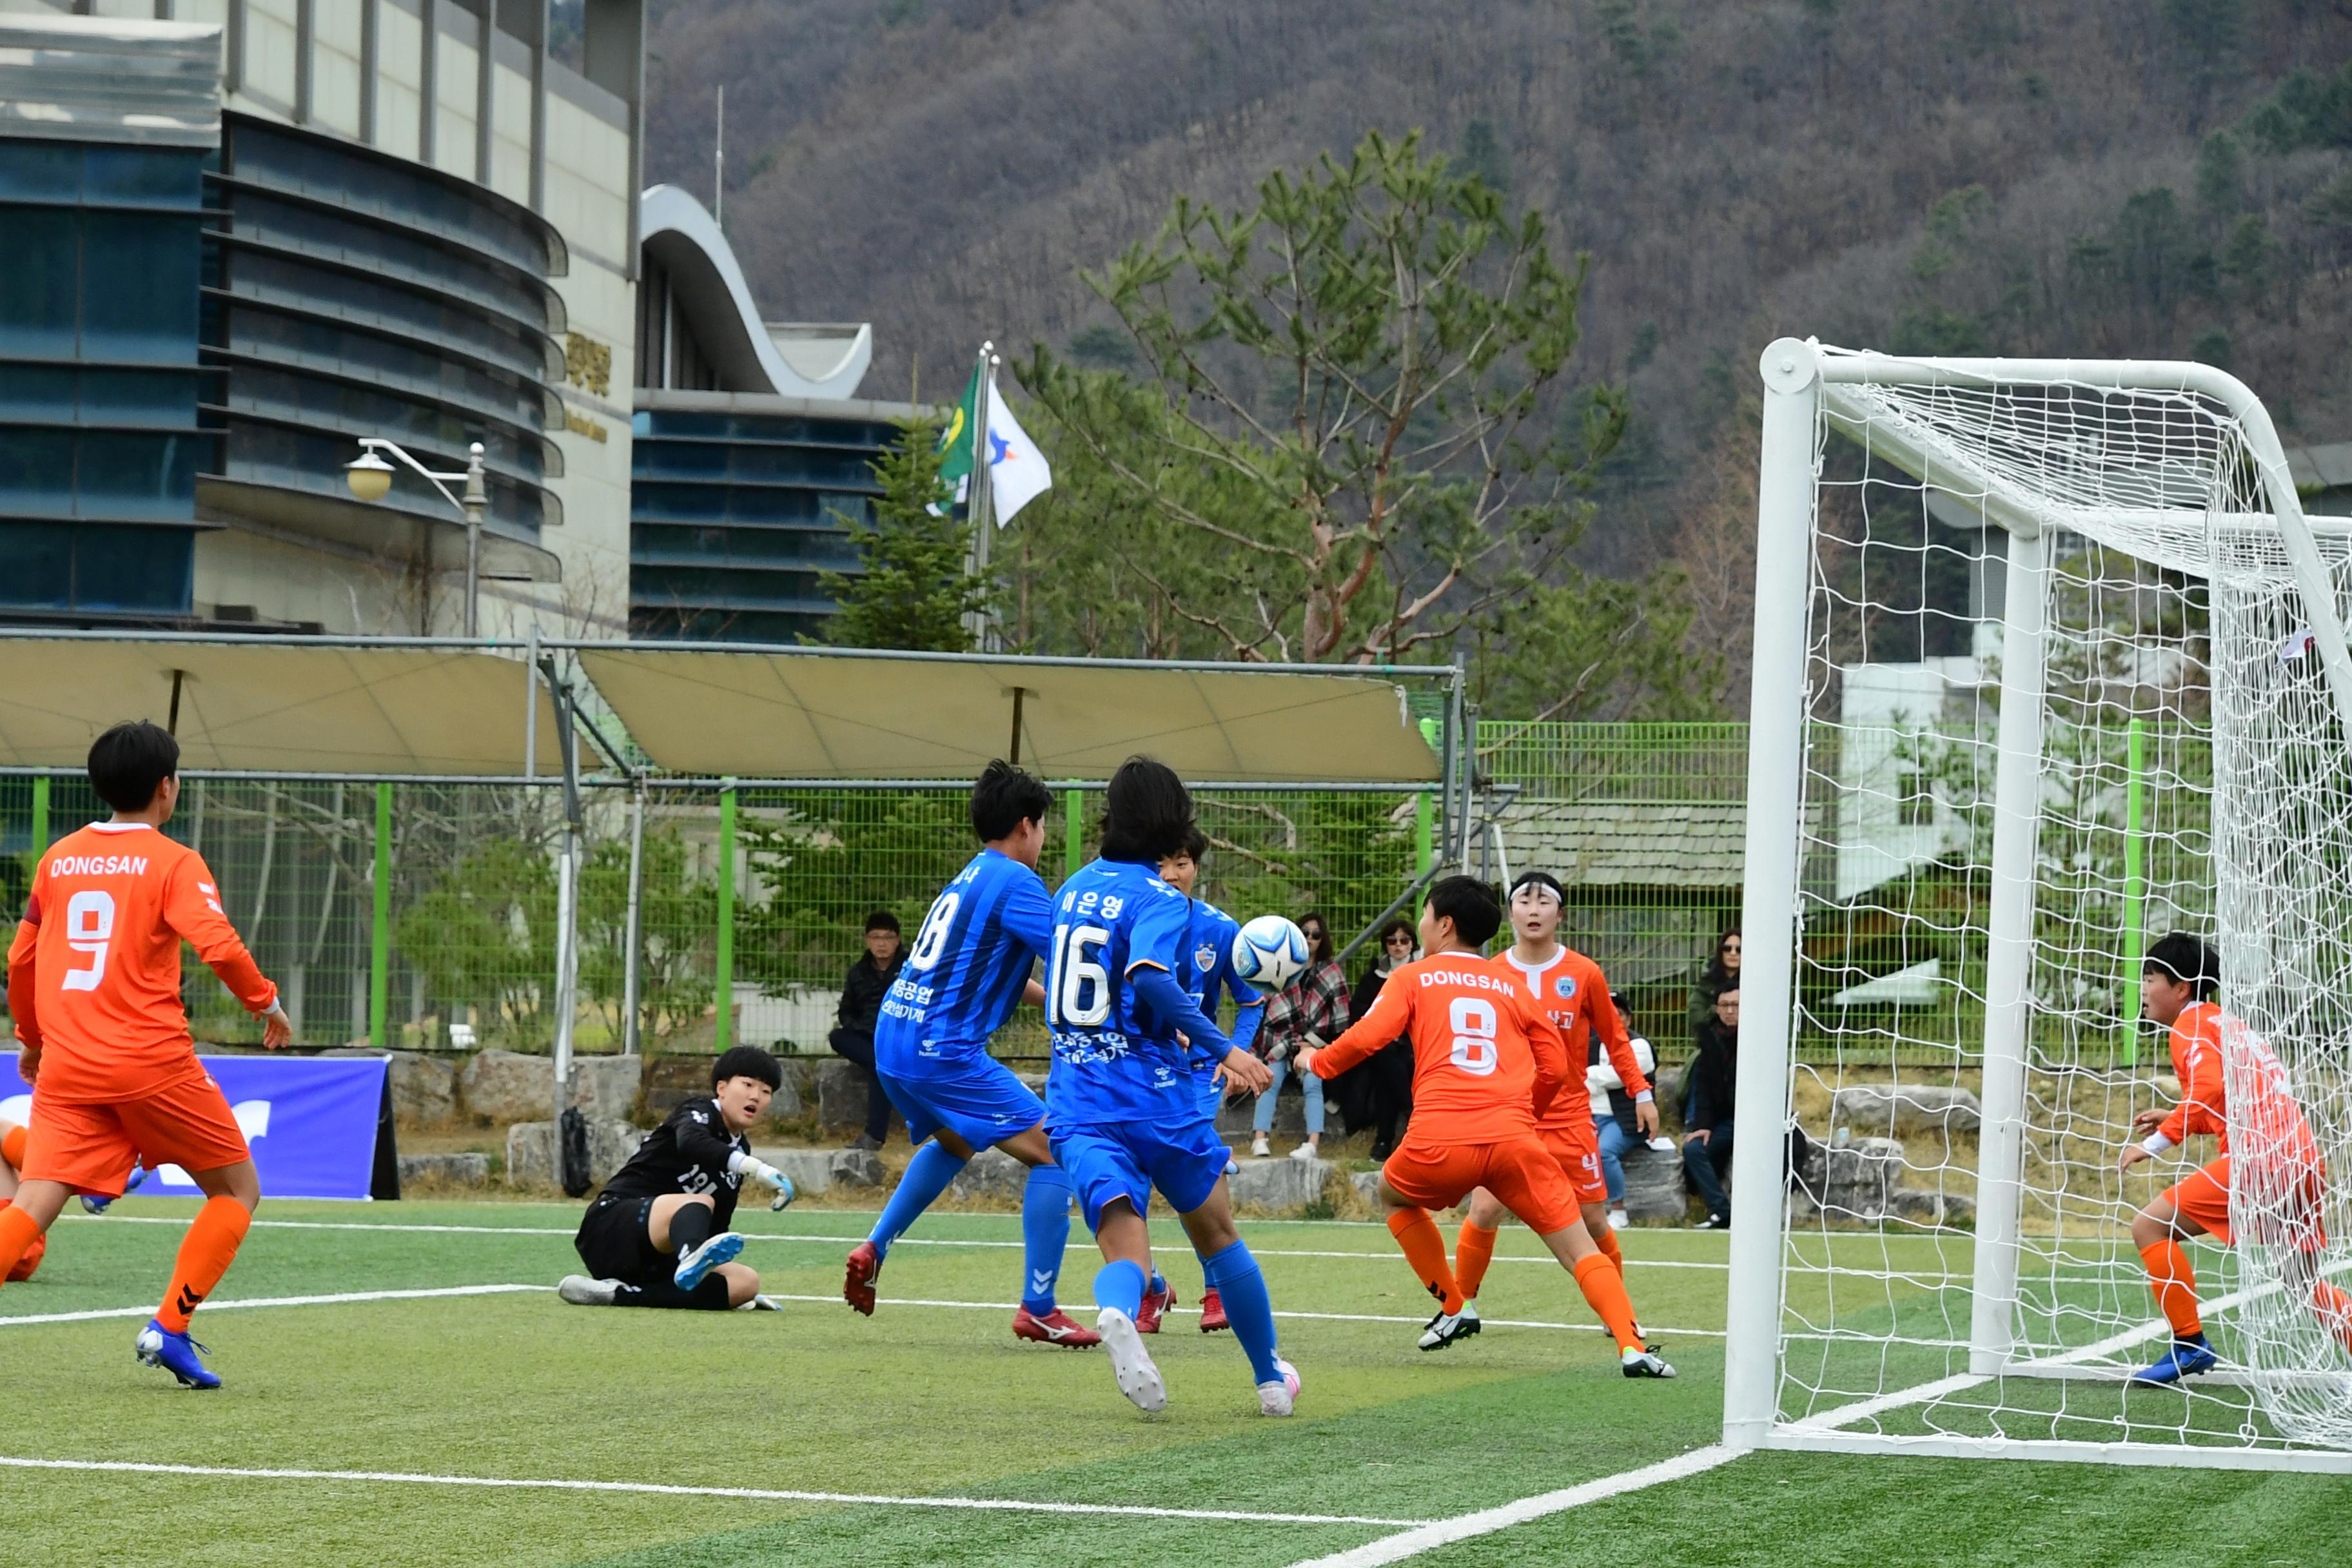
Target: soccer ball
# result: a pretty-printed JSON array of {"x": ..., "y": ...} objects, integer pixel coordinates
[{"x": 1270, "y": 952}]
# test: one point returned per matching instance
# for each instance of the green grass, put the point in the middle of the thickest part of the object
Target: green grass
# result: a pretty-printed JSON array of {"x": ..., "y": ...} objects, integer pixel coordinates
[{"x": 940, "y": 1400}]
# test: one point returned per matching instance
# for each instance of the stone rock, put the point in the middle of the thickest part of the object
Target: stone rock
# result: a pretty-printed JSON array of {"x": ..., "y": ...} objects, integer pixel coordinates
[
  {"x": 669, "y": 1079},
  {"x": 1930, "y": 1207},
  {"x": 1883, "y": 1109},
  {"x": 1853, "y": 1181},
  {"x": 1655, "y": 1186},
  {"x": 455, "y": 1170},
  {"x": 816, "y": 1170},
  {"x": 991, "y": 1174},
  {"x": 531, "y": 1151},
  {"x": 857, "y": 1168},
  {"x": 424, "y": 1088},
  {"x": 1281, "y": 1186},
  {"x": 1368, "y": 1186},
  {"x": 507, "y": 1086},
  {"x": 840, "y": 1086}
]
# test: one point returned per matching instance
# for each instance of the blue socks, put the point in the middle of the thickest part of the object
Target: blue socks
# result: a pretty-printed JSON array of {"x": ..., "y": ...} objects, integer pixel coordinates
[
  {"x": 928, "y": 1175},
  {"x": 1233, "y": 1275},
  {"x": 1044, "y": 1234},
  {"x": 1120, "y": 1285}
]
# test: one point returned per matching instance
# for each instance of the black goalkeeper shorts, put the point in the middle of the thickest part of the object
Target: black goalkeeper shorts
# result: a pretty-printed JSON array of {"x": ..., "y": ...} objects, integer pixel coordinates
[{"x": 615, "y": 1241}]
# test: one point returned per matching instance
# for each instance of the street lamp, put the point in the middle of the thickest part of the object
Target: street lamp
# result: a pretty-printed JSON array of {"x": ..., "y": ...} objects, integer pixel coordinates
[{"x": 369, "y": 479}]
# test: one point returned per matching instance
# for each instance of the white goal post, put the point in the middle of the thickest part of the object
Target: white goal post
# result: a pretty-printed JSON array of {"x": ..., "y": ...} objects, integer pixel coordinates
[{"x": 2048, "y": 661}]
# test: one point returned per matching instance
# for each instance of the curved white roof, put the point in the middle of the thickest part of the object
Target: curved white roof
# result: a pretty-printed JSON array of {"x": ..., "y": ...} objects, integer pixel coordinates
[{"x": 792, "y": 359}]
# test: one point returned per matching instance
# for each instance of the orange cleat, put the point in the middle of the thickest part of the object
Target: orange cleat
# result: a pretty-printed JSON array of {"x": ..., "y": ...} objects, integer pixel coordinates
[{"x": 30, "y": 1260}]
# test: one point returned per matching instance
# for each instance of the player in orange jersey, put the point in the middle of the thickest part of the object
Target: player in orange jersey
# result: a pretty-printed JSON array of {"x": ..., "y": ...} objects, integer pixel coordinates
[
  {"x": 12, "y": 1159},
  {"x": 2280, "y": 1176},
  {"x": 94, "y": 988},
  {"x": 1486, "y": 1063},
  {"x": 1569, "y": 989}
]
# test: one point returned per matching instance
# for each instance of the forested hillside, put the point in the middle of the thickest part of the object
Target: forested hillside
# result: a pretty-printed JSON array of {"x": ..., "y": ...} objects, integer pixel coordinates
[{"x": 2150, "y": 178}]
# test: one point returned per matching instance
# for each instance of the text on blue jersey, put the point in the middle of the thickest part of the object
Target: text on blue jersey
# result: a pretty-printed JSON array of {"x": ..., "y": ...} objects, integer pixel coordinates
[{"x": 970, "y": 959}]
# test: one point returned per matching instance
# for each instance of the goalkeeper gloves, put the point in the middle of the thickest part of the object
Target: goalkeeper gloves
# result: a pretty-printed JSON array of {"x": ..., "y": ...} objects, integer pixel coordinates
[{"x": 759, "y": 1170}]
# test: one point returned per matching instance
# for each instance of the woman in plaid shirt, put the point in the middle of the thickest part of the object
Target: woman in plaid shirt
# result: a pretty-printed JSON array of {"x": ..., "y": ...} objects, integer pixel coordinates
[{"x": 1313, "y": 1009}]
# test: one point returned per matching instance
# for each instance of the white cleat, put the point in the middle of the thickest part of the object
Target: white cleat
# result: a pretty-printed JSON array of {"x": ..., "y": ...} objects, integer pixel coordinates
[
  {"x": 1279, "y": 1397},
  {"x": 1447, "y": 1328},
  {"x": 1139, "y": 1378},
  {"x": 1644, "y": 1364},
  {"x": 583, "y": 1291}
]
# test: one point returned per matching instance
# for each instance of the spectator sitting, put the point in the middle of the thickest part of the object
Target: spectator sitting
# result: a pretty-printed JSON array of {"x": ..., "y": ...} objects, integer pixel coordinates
[
  {"x": 1721, "y": 975},
  {"x": 1313, "y": 1009},
  {"x": 861, "y": 1005},
  {"x": 1708, "y": 1101},
  {"x": 1612, "y": 1117},
  {"x": 1382, "y": 1086}
]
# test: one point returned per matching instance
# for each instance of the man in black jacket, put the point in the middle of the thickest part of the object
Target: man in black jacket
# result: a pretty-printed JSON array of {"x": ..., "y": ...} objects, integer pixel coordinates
[
  {"x": 861, "y": 1004},
  {"x": 1708, "y": 1101},
  {"x": 657, "y": 1235}
]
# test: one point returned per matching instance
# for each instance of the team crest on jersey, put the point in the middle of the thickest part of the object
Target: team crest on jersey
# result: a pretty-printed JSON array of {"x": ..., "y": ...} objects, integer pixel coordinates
[
  {"x": 1204, "y": 957},
  {"x": 1565, "y": 985}
]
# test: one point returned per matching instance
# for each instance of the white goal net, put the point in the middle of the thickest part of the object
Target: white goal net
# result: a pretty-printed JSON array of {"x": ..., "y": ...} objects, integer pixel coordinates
[{"x": 2049, "y": 664}]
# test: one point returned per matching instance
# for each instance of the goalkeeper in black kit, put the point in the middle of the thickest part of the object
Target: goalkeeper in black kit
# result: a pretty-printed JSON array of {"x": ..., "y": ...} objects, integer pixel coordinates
[{"x": 657, "y": 1235}]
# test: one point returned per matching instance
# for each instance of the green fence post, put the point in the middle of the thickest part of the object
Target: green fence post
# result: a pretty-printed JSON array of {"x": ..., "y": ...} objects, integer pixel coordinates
[
  {"x": 1074, "y": 827},
  {"x": 380, "y": 934},
  {"x": 1424, "y": 848},
  {"x": 723, "y": 1033},
  {"x": 40, "y": 822},
  {"x": 2134, "y": 882}
]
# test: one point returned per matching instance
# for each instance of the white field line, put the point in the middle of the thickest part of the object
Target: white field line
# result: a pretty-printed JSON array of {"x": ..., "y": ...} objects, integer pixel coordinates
[
  {"x": 759, "y": 1494},
  {"x": 1312, "y": 1317},
  {"x": 1388, "y": 1257},
  {"x": 1485, "y": 1521},
  {"x": 221, "y": 1306}
]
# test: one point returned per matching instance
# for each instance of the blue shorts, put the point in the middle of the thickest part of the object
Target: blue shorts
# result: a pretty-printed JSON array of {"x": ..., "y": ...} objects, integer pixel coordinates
[
  {"x": 1212, "y": 1096},
  {"x": 975, "y": 1097},
  {"x": 1127, "y": 1160}
]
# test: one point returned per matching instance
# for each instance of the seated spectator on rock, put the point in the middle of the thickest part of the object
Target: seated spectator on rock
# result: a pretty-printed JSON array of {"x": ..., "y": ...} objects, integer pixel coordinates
[
  {"x": 1612, "y": 1116},
  {"x": 1721, "y": 975},
  {"x": 861, "y": 1004},
  {"x": 1311, "y": 1011},
  {"x": 1377, "y": 1093},
  {"x": 1709, "y": 1091}
]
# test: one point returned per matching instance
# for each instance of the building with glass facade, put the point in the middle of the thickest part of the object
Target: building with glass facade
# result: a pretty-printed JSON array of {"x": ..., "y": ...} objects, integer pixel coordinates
[
  {"x": 752, "y": 460},
  {"x": 247, "y": 234}
]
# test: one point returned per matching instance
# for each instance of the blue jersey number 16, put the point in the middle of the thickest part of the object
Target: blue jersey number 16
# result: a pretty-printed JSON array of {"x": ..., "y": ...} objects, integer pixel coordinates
[{"x": 1071, "y": 975}]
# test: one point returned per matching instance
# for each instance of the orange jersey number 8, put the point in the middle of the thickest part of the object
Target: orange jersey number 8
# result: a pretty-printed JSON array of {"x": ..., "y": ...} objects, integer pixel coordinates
[
  {"x": 89, "y": 926},
  {"x": 1472, "y": 1018}
]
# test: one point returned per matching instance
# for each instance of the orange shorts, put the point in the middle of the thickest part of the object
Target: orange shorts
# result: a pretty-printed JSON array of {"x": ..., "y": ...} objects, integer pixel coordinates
[
  {"x": 91, "y": 1147},
  {"x": 1519, "y": 1171},
  {"x": 2294, "y": 1213},
  {"x": 1578, "y": 1154}
]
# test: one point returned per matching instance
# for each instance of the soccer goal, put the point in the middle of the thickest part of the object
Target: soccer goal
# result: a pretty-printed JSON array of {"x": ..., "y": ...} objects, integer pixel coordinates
[{"x": 2048, "y": 662}]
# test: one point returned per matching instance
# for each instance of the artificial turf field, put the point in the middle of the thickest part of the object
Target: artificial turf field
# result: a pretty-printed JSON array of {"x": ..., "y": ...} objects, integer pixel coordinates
[{"x": 933, "y": 1399}]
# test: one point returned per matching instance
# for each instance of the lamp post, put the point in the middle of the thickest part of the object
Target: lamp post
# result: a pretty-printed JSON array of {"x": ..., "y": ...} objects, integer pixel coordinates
[{"x": 369, "y": 479}]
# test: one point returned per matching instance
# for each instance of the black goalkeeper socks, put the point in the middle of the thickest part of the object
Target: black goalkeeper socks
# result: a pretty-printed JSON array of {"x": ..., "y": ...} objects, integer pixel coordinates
[{"x": 689, "y": 1228}]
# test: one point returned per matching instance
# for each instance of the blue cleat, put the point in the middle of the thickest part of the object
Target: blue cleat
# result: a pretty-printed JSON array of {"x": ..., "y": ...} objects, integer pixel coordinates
[
  {"x": 696, "y": 1266},
  {"x": 93, "y": 1203},
  {"x": 2185, "y": 1359},
  {"x": 175, "y": 1354}
]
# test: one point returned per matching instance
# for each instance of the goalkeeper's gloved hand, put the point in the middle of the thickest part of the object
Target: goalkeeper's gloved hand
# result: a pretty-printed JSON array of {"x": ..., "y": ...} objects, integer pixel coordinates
[{"x": 759, "y": 1170}]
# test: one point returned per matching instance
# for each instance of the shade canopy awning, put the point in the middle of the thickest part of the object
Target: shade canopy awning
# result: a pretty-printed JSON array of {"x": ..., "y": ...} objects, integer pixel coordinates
[
  {"x": 781, "y": 715},
  {"x": 290, "y": 706}
]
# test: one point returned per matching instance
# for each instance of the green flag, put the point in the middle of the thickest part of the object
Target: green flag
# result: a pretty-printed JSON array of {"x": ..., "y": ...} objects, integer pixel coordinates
[{"x": 955, "y": 448}]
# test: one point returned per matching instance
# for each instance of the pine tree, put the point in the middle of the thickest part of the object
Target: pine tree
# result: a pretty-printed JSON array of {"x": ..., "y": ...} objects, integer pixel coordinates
[{"x": 916, "y": 586}]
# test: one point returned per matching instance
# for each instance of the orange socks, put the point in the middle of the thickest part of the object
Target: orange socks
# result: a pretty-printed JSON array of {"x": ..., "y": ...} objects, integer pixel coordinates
[
  {"x": 1604, "y": 1288},
  {"x": 1607, "y": 1242},
  {"x": 17, "y": 1235},
  {"x": 2335, "y": 1310},
  {"x": 2174, "y": 1284},
  {"x": 205, "y": 1254},
  {"x": 1472, "y": 1249},
  {"x": 1425, "y": 1249},
  {"x": 12, "y": 1147}
]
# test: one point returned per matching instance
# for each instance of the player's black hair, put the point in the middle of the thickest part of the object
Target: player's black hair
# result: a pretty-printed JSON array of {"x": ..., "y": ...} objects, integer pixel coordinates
[
  {"x": 1003, "y": 797},
  {"x": 2186, "y": 958},
  {"x": 130, "y": 761},
  {"x": 1147, "y": 813},
  {"x": 1196, "y": 846},
  {"x": 1470, "y": 905},
  {"x": 882, "y": 919},
  {"x": 1544, "y": 880},
  {"x": 747, "y": 1061}
]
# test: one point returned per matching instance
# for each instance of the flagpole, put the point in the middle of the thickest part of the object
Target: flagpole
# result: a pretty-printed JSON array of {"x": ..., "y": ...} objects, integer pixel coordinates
[{"x": 982, "y": 491}]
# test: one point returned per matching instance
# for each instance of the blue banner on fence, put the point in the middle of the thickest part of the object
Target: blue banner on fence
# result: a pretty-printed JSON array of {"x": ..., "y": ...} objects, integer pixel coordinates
[{"x": 311, "y": 1121}]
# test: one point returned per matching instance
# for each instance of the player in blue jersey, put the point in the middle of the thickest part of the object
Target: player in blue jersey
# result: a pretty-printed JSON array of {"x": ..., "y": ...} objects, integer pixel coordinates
[
  {"x": 969, "y": 964},
  {"x": 1207, "y": 971},
  {"x": 1123, "y": 1101}
]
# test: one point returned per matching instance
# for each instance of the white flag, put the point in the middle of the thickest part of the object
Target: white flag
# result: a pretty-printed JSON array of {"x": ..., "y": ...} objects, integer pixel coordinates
[{"x": 1017, "y": 473}]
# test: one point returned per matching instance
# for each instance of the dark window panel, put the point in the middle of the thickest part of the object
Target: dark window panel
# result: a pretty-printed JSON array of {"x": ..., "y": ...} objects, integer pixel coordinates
[
  {"x": 40, "y": 557},
  {"x": 40, "y": 287},
  {"x": 136, "y": 569}
]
